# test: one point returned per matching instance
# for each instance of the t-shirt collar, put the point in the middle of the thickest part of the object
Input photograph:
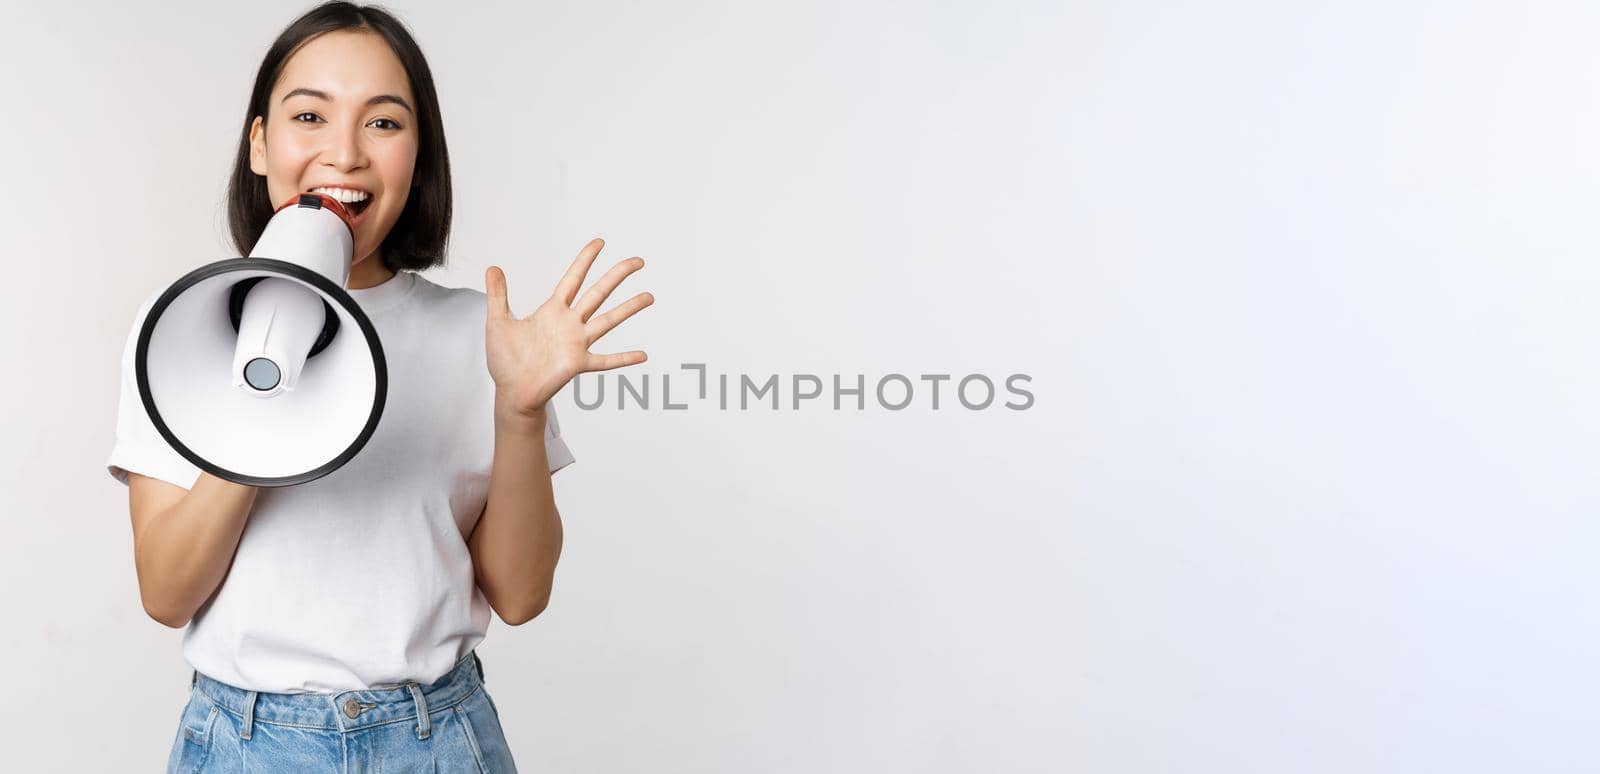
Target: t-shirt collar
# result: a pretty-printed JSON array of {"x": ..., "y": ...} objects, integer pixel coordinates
[{"x": 386, "y": 294}]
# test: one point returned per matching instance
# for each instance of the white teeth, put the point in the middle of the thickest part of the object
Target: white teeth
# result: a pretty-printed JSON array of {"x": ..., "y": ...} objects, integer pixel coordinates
[{"x": 344, "y": 195}]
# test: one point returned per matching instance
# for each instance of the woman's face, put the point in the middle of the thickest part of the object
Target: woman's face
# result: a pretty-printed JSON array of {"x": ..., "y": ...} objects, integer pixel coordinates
[{"x": 341, "y": 117}]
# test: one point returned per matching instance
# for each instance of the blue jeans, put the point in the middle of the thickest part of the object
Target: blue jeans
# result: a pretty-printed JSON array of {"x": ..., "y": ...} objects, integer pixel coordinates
[{"x": 450, "y": 725}]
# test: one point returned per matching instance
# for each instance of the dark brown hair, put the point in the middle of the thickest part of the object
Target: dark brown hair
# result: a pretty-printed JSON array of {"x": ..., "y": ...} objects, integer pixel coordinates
[{"x": 417, "y": 240}]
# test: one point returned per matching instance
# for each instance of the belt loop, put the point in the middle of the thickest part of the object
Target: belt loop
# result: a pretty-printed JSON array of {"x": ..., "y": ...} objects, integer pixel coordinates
[
  {"x": 249, "y": 715},
  {"x": 479, "y": 660},
  {"x": 423, "y": 726},
  {"x": 194, "y": 677}
]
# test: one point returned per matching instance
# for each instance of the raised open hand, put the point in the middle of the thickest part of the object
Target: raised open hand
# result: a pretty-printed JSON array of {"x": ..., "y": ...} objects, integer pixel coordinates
[{"x": 532, "y": 358}]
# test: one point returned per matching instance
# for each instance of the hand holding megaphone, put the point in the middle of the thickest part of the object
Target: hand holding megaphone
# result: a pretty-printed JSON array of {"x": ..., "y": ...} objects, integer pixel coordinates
[
  {"x": 263, "y": 370},
  {"x": 533, "y": 357}
]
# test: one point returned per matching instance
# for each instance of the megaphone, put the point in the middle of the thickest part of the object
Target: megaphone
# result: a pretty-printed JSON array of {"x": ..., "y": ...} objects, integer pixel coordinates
[{"x": 263, "y": 370}]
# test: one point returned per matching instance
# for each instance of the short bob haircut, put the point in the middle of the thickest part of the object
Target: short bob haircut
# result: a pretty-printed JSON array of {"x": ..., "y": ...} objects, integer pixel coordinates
[{"x": 417, "y": 240}]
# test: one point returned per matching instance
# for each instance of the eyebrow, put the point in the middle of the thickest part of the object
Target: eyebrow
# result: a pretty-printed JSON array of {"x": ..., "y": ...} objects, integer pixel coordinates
[{"x": 378, "y": 100}]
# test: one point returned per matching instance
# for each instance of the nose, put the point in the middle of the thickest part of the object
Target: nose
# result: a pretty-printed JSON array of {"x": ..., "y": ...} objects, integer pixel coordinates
[{"x": 345, "y": 150}]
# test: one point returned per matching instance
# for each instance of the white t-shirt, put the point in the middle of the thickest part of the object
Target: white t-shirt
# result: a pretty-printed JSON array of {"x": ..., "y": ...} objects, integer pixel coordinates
[{"x": 359, "y": 579}]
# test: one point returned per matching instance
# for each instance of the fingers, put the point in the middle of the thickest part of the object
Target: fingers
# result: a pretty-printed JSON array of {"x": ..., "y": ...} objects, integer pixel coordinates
[
  {"x": 596, "y": 295},
  {"x": 494, "y": 283},
  {"x": 567, "y": 288},
  {"x": 614, "y": 360},
  {"x": 602, "y": 324}
]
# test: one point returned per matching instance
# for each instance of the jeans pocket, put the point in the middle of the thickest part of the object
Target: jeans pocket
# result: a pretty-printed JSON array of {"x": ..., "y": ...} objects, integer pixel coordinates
[
  {"x": 472, "y": 738},
  {"x": 487, "y": 740},
  {"x": 194, "y": 735},
  {"x": 492, "y": 707}
]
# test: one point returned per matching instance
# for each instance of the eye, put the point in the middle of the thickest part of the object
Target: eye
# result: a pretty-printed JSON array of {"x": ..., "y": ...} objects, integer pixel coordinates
[
  {"x": 392, "y": 123},
  {"x": 313, "y": 115}
]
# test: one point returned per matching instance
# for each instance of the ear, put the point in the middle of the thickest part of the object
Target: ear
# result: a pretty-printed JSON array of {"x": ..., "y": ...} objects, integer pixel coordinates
[{"x": 258, "y": 147}]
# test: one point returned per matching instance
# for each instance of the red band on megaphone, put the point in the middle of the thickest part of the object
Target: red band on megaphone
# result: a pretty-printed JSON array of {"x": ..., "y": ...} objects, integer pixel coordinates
[{"x": 328, "y": 203}]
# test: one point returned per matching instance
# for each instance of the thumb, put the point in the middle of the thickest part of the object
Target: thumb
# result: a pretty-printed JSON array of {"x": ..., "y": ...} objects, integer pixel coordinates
[{"x": 494, "y": 283}]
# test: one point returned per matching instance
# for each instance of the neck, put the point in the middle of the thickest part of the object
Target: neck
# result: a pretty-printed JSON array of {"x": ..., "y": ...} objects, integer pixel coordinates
[{"x": 368, "y": 273}]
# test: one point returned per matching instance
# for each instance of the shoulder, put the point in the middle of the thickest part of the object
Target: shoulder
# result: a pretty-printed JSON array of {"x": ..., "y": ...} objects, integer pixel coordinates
[
  {"x": 467, "y": 304},
  {"x": 140, "y": 314}
]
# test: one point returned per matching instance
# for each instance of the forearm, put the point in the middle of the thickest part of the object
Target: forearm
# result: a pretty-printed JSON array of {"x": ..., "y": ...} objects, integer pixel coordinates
[
  {"x": 183, "y": 554},
  {"x": 517, "y": 541}
]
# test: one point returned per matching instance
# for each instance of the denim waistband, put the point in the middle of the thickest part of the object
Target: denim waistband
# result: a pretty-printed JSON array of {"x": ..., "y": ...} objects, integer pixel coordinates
[{"x": 347, "y": 710}]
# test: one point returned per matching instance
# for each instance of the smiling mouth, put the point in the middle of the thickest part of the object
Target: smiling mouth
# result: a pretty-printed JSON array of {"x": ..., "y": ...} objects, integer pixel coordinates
[{"x": 355, "y": 208}]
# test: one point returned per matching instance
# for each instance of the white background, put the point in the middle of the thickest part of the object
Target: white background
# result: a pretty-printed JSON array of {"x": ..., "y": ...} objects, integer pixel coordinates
[{"x": 1307, "y": 293}]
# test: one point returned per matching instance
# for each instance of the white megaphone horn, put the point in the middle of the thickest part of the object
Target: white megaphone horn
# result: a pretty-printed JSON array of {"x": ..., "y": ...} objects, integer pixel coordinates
[{"x": 263, "y": 370}]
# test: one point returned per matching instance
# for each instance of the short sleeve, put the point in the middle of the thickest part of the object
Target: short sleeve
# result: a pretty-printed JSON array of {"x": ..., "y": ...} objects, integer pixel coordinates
[
  {"x": 139, "y": 447},
  {"x": 555, "y": 447}
]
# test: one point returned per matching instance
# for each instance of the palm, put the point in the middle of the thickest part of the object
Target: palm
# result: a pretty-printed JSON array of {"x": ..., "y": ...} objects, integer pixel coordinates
[{"x": 533, "y": 357}]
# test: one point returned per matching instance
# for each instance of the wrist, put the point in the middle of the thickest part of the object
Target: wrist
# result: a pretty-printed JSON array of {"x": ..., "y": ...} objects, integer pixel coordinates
[{"x": 509, "y": 417}]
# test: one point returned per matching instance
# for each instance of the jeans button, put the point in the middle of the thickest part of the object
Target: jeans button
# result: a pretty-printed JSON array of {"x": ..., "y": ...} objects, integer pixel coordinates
[{"x": 351, "y": 708}]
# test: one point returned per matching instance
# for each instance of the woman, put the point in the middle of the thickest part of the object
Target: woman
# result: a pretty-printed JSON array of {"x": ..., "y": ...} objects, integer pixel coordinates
[{"x": 331, "y": 625}]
